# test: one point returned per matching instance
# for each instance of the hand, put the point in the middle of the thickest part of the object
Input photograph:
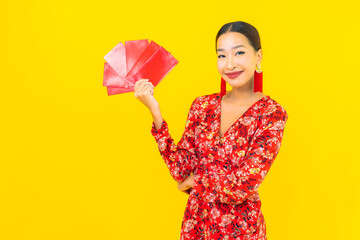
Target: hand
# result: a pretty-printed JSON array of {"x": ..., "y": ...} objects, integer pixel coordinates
[
  {"x": 144, "y": 91},
  {"x": 186, "y": 185}
]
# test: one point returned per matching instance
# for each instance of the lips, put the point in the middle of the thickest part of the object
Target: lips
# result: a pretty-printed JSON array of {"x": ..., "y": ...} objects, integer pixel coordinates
[{"x": 234, "y": 74}]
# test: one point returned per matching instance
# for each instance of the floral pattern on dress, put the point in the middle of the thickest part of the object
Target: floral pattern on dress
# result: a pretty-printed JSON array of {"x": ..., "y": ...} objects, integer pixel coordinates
[{"x": 224, "y": 202}]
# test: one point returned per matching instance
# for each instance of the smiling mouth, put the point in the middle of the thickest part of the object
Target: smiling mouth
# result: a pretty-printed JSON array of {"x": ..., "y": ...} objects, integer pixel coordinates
[{"x": 234, "y": 74}]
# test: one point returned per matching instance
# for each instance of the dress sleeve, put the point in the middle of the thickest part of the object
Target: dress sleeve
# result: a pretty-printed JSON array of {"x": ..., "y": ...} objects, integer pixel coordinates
[
  {"x": 180, "y": 158},
  {"x": 236, "y": 186}
]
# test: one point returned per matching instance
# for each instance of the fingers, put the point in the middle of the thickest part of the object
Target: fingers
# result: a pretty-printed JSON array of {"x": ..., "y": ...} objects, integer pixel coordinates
[
  {"x": 137, "y": 83},
  {"x": 179, "y": 186},
  {"x": 142, "y": 82},
  {"x": 143, "y": 88},
  {"x": 183, "y": 188},
  {"x": 144, "y": 91}
]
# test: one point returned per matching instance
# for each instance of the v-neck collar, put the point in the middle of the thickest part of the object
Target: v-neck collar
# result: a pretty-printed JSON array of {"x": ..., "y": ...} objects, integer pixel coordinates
[{"x": 264, "y": 98}]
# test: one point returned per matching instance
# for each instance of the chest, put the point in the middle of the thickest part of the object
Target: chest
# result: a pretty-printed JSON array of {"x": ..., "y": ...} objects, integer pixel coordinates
[
  {"x": 230, "y": 136},
  {"x": 229, "y": 115}
]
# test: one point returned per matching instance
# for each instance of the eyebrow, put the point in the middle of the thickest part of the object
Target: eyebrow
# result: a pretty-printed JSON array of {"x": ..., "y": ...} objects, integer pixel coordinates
[{"x": 237, "y": 46}]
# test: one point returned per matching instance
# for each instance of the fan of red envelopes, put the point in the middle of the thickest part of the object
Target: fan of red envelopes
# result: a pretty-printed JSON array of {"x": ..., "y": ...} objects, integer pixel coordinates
[{"x": 137, "y": 59}]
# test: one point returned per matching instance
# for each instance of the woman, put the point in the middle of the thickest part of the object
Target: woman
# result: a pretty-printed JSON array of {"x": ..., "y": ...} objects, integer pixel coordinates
[{"x": 229, "y": 143}]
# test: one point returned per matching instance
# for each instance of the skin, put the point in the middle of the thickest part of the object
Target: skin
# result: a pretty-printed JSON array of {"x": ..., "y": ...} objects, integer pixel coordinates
[{"x": 230, "y": 58}]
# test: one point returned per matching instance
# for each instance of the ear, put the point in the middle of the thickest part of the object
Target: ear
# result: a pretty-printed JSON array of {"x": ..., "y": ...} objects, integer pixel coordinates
[{"x": 259, "y": 55}]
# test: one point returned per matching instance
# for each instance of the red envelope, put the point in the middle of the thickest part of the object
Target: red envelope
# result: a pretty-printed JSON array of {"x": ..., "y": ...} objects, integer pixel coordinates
[
  {"x": 136, "y": 60},
  {"x": 115, "y": 67},
  {"x": 133, "y": 50}
]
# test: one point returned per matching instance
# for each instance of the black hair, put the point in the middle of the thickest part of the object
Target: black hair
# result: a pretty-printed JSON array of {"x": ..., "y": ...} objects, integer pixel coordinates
[{"x": 244, "y": 28}]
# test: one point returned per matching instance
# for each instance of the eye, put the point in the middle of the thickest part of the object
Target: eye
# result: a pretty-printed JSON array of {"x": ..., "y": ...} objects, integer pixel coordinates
[
  {"x": 240, "y": 52},
  {"x": 220, "y": 56}
]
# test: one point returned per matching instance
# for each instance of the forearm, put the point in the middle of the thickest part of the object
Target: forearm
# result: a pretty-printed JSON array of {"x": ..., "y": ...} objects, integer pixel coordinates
[
  {"x": 180, "y": 158},
  {"x": 156, "y": 114}
]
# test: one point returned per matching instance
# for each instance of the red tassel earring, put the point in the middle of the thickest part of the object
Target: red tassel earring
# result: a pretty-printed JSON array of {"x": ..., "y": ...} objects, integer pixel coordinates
[
  {"x": 223, "y": 88},
  {"x": 258, "y": 79},
  {"x": 258, "y": 82}
]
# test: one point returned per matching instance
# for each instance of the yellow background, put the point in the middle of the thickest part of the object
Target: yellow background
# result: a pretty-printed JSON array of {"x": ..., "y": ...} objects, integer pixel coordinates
[{"x": 78, "y": 164}]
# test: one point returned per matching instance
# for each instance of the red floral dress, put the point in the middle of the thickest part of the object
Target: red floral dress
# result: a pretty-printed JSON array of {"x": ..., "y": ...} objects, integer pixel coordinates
[{"x": 224, "y": 202}]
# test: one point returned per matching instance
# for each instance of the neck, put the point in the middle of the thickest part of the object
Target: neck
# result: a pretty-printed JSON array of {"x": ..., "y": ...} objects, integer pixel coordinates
[{"x": 242, "y": 94}]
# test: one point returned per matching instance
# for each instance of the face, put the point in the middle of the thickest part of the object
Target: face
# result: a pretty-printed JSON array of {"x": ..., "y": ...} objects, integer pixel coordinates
[{"x": 237, "y": 59}]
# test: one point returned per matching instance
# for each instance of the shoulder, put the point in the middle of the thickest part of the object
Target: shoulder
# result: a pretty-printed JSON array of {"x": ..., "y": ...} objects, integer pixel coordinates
[
  {"x": 206, "y": 100},
  {"x": 203, "y": 104},
  {"x": 273, "y": 111}
]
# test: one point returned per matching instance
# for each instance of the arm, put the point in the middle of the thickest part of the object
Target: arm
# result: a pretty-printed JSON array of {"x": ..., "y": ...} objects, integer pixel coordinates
[
  {"x": 180, "y": 158},
  {"x": 238, "y": 185}
]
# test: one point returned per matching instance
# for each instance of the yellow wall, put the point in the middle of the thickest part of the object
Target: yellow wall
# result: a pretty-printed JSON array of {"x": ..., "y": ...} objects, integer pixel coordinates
[{"x": 78, "y": 164}]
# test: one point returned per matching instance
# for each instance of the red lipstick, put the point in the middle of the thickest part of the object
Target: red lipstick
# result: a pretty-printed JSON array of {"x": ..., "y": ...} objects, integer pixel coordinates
[{"x": 233, "y": 75}]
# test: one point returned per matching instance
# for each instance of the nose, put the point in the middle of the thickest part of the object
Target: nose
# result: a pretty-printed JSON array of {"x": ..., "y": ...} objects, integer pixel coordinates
[{"x": 230, "y": 64}]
